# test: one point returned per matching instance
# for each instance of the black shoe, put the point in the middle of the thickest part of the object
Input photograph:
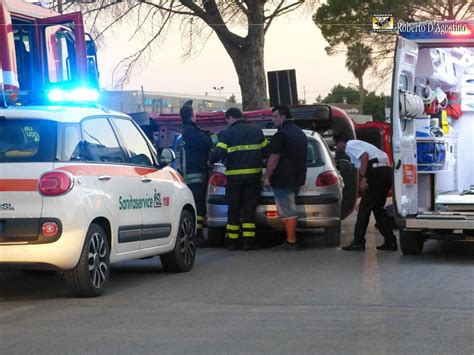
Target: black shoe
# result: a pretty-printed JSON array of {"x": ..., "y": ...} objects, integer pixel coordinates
[
  {"x": 354, "y": 247},
  {"x": 249, "y": 244},
  {"x": 233, "y": 244},
  {"x": 287, "y": 247},
  {"x": 202, "y": 242},
  {"x": 200, "y": 239},
  {"x": 388, "y": 246}
]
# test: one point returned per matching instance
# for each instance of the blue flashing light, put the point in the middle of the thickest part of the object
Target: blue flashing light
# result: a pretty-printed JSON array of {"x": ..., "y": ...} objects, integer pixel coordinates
[{"x": 76, "y": 95}]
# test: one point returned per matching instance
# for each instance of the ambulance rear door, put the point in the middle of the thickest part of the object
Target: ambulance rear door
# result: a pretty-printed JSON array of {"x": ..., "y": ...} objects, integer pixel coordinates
[{"x": 405, "y": 189}]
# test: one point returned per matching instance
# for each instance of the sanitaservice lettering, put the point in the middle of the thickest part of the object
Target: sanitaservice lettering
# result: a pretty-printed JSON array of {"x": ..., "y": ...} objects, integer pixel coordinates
[{"x": 133, "y": 203}]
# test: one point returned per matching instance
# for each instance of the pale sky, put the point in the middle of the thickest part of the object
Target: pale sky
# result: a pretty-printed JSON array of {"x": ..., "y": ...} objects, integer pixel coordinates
[{"x": 292, "y": 42}]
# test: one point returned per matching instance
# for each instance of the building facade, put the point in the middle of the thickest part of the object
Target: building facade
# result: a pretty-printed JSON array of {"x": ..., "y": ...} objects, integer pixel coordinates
[{"x": 131, "y": 101}]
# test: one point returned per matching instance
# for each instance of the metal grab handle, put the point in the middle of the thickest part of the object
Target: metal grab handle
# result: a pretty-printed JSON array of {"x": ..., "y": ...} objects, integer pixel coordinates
[
  {"x": 146, "y": 179},
  {"x": 104, "y": 177}
]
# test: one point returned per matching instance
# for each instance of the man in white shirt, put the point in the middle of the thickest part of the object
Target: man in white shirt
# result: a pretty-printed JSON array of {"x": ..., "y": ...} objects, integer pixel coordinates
[{"x": 375, "y": 182}]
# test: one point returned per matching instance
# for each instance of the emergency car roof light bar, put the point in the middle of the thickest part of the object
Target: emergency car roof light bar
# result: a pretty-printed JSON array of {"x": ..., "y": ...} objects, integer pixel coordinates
[{"x": 75, "y": 95}]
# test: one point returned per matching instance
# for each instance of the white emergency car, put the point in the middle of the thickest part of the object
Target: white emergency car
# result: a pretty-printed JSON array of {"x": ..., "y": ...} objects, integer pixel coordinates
[
  {"x": 82, "y": 188},
  {"x": 432, "y": 133}
]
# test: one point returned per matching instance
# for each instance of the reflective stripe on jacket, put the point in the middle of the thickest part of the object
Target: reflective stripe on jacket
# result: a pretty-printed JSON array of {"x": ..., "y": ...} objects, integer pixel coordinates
[{"x": 242, "y": 147}]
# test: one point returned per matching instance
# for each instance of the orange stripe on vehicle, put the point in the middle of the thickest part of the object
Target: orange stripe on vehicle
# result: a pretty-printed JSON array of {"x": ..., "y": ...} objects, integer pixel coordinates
[
  {"x": 115, "y": 170},
  {"x": 18, "y": 185},
  {"x": 177, "y": 176}
]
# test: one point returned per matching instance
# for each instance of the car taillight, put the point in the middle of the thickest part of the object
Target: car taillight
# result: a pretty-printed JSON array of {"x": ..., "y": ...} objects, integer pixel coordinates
[
  {"x": 218, "y": 179},
  {"x": 271, "y": 213},
  {"x": 327, "y": 178},
  {"x": 55, "y": 183},
  {"x": 49, "y": 229}
]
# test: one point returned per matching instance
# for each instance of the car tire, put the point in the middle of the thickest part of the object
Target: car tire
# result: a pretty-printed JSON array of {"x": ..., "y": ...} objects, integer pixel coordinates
[
  {"x": 332, "y": 236},
  {"x": 181, "y": 258},
  {"x": 411, "y": 242},
  {"x": 216, "y": 236},
  {"x": 90, "y": 276}
]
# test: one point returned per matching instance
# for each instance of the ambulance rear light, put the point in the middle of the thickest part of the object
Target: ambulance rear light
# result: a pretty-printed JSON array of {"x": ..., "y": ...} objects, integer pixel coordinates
[
  {"x": 55, "y": 183},
  {"x": 218, "y": 179},
  {"x": 327, "y": 178}
]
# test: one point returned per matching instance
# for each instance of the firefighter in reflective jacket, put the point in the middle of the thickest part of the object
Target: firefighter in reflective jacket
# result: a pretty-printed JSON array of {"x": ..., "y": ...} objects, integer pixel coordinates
[
  {"x": 195, "y": 147},
  {"x": 241, "y": 147}
]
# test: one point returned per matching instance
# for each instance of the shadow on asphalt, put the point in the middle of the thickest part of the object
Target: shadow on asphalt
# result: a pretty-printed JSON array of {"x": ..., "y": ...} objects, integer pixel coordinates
[{"x": 434, "y": 251}]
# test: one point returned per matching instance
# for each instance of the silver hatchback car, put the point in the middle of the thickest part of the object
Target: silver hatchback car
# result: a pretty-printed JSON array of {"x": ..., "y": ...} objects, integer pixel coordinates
[{"x": 318, "y": 202}]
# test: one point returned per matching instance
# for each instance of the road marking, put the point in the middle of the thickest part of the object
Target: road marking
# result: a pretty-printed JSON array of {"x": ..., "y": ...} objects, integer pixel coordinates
[{"x": 371, "y": 294}]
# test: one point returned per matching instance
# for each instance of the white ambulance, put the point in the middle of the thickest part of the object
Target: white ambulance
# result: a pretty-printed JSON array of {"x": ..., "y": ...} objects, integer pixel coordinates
[
  {"x": 433, "y": 133},
  {"x": 81, "y": 188}
]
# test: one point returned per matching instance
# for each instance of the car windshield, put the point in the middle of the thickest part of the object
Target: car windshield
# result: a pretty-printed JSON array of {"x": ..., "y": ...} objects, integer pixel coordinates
[{"x": 27, "y": 140}]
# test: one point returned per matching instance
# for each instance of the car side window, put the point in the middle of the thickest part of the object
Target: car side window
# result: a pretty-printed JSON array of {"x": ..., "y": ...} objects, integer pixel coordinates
[
  {"x": 315, "y": 156},
  {"x": 134, "y": 142},
  {"x": 99, "y": 143},
  {"x": 69, "y": 145}
]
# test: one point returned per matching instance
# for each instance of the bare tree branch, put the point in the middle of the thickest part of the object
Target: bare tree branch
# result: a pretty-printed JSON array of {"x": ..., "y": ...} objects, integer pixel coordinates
[
  {"x": 118, "y": 19},
  {"x": 176, "y": 12},
  {"x": 280, "y": 11},
  {"x": 131, "y": 60},
  {"x": 141, "y": 23},
  {"x": 243, "y": 8},
  {"x": 99, "y": 8}
]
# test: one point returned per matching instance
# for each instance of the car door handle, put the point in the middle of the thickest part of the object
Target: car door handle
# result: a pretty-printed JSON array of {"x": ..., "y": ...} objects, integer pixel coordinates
[
  {"x": 104, "y": 177},
  {"x": 146, "y": 179}
]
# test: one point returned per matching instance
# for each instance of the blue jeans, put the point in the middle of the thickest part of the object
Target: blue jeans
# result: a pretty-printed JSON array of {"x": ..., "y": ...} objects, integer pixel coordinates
[{"x": 285, "y": 201}]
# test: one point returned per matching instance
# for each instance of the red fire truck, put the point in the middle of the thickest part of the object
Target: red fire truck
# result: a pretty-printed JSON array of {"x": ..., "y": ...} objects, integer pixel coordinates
[{"x": 41, "y": 49}]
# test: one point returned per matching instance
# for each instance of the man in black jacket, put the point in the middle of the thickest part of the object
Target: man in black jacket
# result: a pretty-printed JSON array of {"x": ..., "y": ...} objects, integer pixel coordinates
[
  {"x": 195, "y": 147},
  {"x": 286, "y": 170},
  {"x": 242, "y": 147}
]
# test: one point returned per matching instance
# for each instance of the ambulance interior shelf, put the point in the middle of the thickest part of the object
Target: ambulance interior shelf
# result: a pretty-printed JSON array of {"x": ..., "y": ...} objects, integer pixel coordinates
[
  {"x": 431, "y": 155},
  {"x": 444, "y": 128}
]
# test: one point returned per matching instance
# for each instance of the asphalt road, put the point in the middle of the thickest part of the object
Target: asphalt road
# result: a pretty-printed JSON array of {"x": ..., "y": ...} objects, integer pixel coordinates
[{"x": 319, "y": 300}]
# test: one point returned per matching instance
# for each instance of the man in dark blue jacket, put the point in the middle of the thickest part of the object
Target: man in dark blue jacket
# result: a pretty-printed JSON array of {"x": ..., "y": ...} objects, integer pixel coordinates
[{"x": 195, "y": 147}]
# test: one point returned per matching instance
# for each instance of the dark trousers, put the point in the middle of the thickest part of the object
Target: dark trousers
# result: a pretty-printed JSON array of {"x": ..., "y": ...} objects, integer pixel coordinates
[
  {"x": 242, "y": 197},
  {"x": 373, "y": 200},
  {"x": 199, "y": 190}
]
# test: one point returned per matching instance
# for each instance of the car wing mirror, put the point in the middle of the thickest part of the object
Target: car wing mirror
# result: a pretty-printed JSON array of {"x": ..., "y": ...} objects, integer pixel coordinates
[{"x": 167, "y": 156}]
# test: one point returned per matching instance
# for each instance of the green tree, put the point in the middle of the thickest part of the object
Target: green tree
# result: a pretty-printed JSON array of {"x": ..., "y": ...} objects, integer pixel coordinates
[
  {"x": 339, "y": 92},
  {"x": 232, "y": 99},
  {"x": 358, "y": 60},
  {"x": 344, "y": 22},
  {"x": 375, "y": 105},
  {"x": 240, "y": 25}
]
